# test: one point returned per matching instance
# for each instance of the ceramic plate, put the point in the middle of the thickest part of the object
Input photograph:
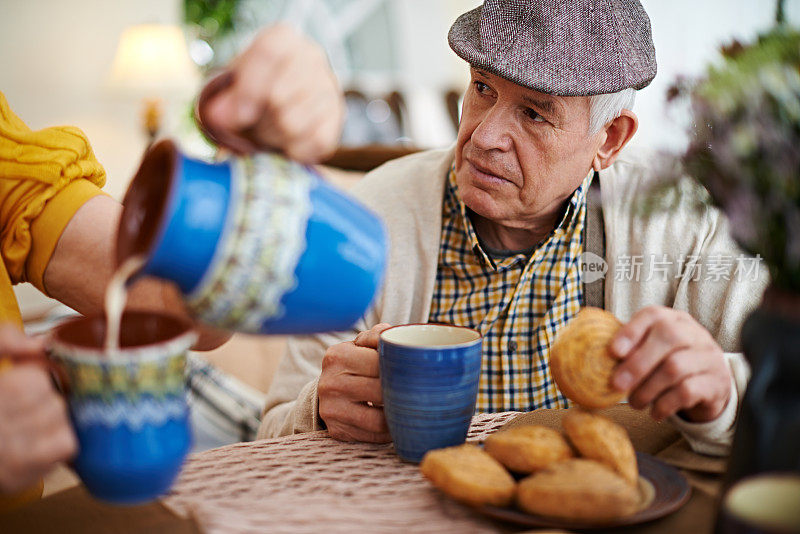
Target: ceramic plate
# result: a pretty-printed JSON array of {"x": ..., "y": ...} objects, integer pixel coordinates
[{"x": 663, "y": 490}]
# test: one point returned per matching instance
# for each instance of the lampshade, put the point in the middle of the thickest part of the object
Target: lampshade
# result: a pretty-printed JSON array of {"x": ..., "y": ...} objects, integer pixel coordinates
[{"x": 152, "y": 60}]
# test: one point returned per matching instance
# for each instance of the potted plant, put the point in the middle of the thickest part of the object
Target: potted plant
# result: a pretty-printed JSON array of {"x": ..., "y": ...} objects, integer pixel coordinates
[{"x": 745, "y": 151}]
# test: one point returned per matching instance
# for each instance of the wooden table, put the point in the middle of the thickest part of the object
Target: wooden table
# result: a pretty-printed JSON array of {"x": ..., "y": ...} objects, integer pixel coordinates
[
  {"x": 74, "y": 510},
  {"x": 312, "y": 483}
]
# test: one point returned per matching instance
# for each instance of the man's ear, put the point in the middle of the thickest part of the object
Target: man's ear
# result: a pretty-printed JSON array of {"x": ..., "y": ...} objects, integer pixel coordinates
[{"x": 617, "y": 134}]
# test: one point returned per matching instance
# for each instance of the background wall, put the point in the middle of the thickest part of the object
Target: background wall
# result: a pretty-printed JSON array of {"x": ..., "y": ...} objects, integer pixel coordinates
[
  {"x": 687, "y": 36},
  {"x": 55, "y": 56},
  {"x": 53, "y": 67}
]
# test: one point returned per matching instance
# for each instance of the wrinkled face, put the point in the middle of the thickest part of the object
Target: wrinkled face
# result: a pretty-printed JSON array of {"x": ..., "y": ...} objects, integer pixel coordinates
[{"x": 520, "y": 153}]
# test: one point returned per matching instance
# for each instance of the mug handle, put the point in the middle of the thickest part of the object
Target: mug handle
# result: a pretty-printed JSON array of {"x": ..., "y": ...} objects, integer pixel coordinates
[{"x": 57, "y": 372}]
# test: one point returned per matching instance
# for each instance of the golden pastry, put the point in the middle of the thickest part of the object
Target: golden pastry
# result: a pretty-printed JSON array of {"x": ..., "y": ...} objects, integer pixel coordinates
[
  {"x": 580, "y": 361},
  {"x": 525, "y": 449},
  {"x": 578, "y": 489},
  {"x": 469, "y": 474},
  {"x": 599, "y": 438}
]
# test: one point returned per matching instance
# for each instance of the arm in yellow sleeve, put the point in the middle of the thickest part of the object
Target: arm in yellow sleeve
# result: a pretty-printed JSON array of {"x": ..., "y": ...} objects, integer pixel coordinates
[{"x": 45, "y": 177}]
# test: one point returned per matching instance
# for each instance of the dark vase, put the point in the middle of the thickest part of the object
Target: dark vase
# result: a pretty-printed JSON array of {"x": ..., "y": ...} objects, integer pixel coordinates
[{"x": 768, "y": 431}]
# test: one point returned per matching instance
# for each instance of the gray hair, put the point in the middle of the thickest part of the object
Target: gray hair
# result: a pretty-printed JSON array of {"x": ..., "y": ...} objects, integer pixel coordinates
[{"x": 607, "y": 107}]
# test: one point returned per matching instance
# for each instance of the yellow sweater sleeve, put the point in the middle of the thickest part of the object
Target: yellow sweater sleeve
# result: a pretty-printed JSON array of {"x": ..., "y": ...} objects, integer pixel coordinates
[{"x": 45, "y": 176}]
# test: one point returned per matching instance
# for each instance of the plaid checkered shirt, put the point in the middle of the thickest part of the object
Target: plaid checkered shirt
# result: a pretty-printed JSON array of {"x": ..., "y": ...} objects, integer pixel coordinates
[{"x": 517, "y": 302}]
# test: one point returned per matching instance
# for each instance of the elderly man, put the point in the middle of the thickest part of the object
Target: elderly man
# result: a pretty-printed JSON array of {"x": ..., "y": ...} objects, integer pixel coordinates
[{"x": 491, "y": 235}]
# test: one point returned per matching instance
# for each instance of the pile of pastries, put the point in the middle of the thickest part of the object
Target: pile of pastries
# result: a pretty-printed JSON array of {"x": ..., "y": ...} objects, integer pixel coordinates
[{"x": 587, "y": 472}]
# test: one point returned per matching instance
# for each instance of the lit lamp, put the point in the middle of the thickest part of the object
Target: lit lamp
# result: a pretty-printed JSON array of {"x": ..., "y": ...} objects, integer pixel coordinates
[{"x": 152, "y": 63}]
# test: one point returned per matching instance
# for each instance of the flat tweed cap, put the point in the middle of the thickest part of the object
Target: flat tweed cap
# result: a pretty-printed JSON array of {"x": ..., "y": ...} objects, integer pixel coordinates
[{"x": 561, "y": 47}]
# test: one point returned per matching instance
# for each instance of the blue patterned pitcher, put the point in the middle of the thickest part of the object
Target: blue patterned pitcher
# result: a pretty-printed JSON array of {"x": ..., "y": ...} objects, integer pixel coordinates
[{"x": 258, "y": 244}]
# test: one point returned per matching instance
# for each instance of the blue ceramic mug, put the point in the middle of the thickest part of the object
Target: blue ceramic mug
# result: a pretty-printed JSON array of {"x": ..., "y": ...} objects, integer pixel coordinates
[
  {"x": 129, "y": 411},
  {"x": 429, "y": 378},
  {"x": 258, "y": 244}
]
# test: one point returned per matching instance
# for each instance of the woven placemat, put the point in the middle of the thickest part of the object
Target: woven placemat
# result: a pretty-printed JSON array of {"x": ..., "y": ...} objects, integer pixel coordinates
[{"x": 312, "y": 483}]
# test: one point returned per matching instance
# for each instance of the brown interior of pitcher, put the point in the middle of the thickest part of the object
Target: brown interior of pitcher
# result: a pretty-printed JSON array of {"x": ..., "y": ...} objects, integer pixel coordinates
[
  {"x": 146, "y": 200},
  {"x": 139, "y": 328}
]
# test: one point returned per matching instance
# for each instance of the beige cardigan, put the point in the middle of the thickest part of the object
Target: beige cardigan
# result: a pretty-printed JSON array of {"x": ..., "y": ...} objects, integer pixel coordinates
[{"x": 408, "y": 194}]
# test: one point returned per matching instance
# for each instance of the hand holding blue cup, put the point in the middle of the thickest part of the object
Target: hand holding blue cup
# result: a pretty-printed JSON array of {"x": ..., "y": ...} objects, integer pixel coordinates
[
  {"x": 429, "y": 378},
  {"x": 129, "y": 410}
]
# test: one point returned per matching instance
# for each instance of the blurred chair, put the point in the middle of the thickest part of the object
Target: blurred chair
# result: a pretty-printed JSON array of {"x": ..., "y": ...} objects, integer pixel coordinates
[
  {"x": 452, "y": 101},
  {"x": 374, "y": 118},
  {"x": 367, "y": 157},
  {"x": 374, "y": 133},
  {"x": 397, "y": 105}
]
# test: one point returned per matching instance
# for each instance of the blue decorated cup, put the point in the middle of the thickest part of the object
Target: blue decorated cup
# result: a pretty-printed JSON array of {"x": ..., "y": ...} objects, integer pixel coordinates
[
  {"x": 258, "y": 244},
  {"x": 429, "y": 377},
  {"x": 128, "y": 410}
]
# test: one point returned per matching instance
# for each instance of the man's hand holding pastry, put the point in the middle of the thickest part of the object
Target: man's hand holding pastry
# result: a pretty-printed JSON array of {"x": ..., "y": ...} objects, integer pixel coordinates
[{"x": 671, "y": 363}]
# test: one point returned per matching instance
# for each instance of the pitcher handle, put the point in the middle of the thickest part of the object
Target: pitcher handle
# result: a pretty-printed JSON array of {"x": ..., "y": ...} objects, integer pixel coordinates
[{"x": 239, "y": 144}]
